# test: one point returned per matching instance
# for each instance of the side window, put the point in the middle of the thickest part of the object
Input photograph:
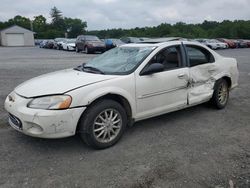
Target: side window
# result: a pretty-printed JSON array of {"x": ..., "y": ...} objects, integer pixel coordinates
[
  {"x": 170, "y": 57},
  {"x": 198, "y": 56}
]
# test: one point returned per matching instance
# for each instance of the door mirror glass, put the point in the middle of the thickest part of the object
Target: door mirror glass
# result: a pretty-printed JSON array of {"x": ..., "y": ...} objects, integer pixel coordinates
[{"x": 153, "y": 68}]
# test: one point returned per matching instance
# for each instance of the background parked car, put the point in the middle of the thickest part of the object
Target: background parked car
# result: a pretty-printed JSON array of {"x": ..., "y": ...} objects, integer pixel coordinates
[
  {"x": 43, "y": 43},
  {"x": 58, "y": 43},
  {"x": 131, "y": 40},
  {"x": 38, "y": 41},
  {"x": 213, "y": 43},
  {"x": 248, "y": 43},
  {"x": 241, "y": 43},
  {"x": 219, "y": 44},
  {"x": 230, "y": 43},
  {"x": 89, "y": 44},
  {"x": 112, "y": 43},
  {"x": 49, "y": 44},
  {"x": 69, "y": 44}
]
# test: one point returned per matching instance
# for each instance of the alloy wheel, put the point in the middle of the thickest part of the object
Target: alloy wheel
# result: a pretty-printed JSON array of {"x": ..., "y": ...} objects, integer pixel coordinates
[
  {"x": 107, "y": 125},
  {"x": 223, "y": 93}
]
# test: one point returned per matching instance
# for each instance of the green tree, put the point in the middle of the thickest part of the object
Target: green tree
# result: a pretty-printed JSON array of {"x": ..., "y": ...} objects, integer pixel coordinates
[
  {"x": 57, "y": 19},
  {"x": 21, "y": 21},
  {"x": 74, "y": 27},
  {"x": 39, "y": 20}
]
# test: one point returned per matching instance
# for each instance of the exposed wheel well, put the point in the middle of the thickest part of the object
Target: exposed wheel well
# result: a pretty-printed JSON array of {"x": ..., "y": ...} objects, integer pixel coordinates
[
  {"x": 118, "y": 98},
  {"x": 228, "y": 79}
]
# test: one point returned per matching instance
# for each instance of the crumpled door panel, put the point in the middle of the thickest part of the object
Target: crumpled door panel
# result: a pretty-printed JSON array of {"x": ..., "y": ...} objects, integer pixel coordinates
[{"x": 201, "y": 83}]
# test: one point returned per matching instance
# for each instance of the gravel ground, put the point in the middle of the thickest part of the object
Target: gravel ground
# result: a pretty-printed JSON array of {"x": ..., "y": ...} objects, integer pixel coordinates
[{"x": 195, "y": 147}]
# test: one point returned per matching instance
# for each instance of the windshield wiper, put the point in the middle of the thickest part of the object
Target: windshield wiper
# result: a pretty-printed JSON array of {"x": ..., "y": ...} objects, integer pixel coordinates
[
  {"x": 88, "y": 69},
  {"x": 78, "y": 68},
  {"x": 91, "y": 69}
]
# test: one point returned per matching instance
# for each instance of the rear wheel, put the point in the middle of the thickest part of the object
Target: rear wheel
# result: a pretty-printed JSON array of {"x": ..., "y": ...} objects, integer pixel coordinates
[
  {"x": 103, "y": 124},
  {"x": 221, "y": 94}
]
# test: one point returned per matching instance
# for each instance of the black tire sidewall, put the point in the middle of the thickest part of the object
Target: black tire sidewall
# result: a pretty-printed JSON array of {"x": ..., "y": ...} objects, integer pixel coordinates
[
  {"x": 86, "y": 50},
  {"x": 87, "y": 120}
]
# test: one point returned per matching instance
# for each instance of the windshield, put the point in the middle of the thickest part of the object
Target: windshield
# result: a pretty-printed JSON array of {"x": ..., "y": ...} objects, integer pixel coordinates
[
  {"x": 71, "y": 40},
  {"x": 121, "y": 60}
]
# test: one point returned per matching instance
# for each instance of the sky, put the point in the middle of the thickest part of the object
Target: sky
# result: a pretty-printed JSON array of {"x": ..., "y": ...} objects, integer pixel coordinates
[{"x": 107, "y": 14}]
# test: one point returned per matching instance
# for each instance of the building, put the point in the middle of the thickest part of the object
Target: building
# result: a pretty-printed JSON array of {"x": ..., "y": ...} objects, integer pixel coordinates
[{"x": 16, "y": 36}]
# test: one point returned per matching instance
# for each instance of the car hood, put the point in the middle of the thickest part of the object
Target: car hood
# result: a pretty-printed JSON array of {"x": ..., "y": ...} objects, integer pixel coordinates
[
  {"x": 71, "y": 44},
  {"x": 59, "y": 82},
  {"x": 221, "y": 43}
]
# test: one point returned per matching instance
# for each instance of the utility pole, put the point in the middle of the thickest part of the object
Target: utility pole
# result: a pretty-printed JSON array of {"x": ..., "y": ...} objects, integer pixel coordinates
[{"x": 31, "y": 25}]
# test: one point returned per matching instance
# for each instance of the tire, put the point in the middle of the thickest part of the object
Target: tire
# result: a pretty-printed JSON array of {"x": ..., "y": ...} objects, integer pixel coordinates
[
  {"x": 95, "y": 131},
  {"x": 221, "y": 94},
  {"x": 77, "y": 50},
  {"x": 86, "y": 50}
]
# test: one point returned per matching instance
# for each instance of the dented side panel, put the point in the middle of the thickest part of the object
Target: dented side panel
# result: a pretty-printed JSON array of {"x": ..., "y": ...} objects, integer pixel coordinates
[{"x": 201, "y": 82}]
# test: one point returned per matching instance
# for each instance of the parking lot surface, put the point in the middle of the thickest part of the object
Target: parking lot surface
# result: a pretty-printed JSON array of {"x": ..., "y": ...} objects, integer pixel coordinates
[{"x": 195, "y": 147}]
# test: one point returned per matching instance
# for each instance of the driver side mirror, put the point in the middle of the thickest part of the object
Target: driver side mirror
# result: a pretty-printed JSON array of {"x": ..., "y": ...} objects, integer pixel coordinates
[{"x": 153, "y": 68}]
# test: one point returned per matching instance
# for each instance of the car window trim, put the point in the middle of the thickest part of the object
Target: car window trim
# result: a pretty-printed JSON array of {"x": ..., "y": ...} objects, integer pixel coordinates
[
  {"x": 197, "y": 47},
  {"x": 182, "y": 64}
]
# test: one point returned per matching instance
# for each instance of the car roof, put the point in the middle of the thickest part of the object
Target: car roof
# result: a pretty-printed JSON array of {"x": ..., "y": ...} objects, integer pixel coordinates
[
  {"x": 155, "y": 44},
  {"x": 161, "y": 40}
]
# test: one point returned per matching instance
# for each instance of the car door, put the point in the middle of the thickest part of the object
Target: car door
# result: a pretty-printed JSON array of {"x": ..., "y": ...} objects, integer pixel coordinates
[
  {"x": 163, "y": 91},
  {"x": 81, "y": 43},
  {"x": 202, "y": 69}
]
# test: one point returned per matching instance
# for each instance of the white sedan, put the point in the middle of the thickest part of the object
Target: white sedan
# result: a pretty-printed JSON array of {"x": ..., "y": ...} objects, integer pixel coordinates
[
  {"x": 69, "y": 44},
  {"x": 124, "y": 85},
  {"x": 213, "y": 44}
]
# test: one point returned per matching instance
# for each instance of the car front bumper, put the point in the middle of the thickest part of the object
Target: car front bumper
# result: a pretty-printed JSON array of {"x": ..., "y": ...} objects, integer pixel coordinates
[
  {"x": 71, "y": 48},
  {"x": 97, "y": 49},
  {"x": 41, "y": 123}
]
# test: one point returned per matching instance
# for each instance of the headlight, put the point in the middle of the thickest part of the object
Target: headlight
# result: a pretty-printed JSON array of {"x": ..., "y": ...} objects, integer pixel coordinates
[{"x": 56, "y": 102}]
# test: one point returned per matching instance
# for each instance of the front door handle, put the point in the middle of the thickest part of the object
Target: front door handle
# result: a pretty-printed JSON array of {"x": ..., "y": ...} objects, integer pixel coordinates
[
  {"x": 181, "y": 76},
  {"x": 211, "y": 70}
]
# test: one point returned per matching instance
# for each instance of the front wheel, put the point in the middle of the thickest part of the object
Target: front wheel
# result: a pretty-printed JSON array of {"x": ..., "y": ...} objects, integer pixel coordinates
[
  {"x": 86, "y": 50},
  {"x": 221, "y": 94},
  {"x": 77, "y": 50},
  {"x": 103, "y": 124}
]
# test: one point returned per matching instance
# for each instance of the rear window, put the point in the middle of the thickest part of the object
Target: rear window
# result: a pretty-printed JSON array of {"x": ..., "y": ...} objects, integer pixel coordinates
[{"x": 198, "y": 56}]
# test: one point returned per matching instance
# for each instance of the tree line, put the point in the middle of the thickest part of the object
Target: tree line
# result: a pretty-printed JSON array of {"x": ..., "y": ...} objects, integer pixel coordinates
[
  {"x": 59, "y": 25},
  {"x": 238, "y": 29}
]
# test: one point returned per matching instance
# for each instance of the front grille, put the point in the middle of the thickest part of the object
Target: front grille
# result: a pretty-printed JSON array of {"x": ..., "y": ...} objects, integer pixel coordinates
[{"x": 17, "y": 122}]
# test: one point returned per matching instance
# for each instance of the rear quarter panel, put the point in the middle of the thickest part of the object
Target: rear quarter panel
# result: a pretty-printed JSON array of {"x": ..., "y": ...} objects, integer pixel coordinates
[{"x": 228, "y": 67}]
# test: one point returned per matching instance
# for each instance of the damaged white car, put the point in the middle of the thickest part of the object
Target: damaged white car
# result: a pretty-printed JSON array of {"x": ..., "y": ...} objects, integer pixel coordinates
[{"x": 124, "y": 85}]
